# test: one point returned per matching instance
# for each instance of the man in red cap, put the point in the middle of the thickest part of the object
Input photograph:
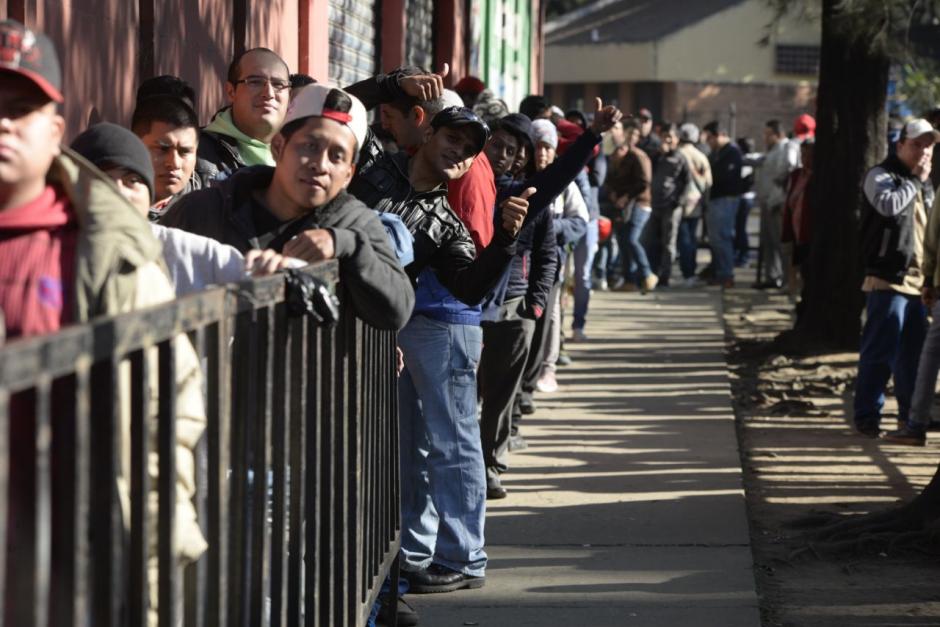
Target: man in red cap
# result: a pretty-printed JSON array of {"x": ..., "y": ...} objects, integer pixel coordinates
[
  {"x": 804, "y": 127},
  {"x": 469, "y": 89}
]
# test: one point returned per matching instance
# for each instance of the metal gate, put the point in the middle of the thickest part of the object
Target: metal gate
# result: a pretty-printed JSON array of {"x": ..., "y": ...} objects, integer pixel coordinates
[{"x": 352, "y": 40}]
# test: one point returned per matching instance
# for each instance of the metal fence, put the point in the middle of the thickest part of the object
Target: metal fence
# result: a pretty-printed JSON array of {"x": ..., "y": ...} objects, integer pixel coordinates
[{"x": 296, "y": 473}]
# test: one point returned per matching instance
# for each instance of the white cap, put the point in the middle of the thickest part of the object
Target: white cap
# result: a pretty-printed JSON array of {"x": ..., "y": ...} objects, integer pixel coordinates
[
  {"x": 919, "y": 127},
  {"x": 451, "y": 99},
  {"x": 308, "y": 103},
  {"x": 688, "y": 132},
  {"x": 545, "y": 132}
]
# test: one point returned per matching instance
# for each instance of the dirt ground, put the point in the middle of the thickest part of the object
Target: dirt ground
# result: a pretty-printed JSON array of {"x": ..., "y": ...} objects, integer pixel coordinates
[{"x": 801, "y": 457}]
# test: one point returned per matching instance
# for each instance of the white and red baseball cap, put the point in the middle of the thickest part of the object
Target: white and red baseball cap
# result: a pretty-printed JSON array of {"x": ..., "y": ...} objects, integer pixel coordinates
[{"x": 310, "y": 102}]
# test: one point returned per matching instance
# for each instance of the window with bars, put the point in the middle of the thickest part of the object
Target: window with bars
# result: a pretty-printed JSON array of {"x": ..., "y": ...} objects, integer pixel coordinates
[{"x": 791, "y": 59}]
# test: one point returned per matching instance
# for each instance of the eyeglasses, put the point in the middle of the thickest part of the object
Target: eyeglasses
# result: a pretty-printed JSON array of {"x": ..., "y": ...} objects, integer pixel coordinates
[{"x": 257, "y": 83}]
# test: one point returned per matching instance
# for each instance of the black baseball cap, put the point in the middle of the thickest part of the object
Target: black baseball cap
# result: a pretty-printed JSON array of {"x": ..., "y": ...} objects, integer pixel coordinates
[
  {"x": 31, "y": 55},
  {"x": 455, "y": 117}
]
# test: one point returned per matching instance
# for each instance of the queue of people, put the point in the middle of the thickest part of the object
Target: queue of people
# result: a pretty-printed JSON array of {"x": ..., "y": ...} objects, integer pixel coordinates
[{"x": 445, "y": 219}]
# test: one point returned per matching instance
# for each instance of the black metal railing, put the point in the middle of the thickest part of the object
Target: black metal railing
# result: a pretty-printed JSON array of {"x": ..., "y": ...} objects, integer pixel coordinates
[{"x": 296, "y": 472}]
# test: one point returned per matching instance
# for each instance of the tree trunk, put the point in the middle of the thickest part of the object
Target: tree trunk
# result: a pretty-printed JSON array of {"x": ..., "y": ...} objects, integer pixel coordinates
[{"x": 850, "y": 139}]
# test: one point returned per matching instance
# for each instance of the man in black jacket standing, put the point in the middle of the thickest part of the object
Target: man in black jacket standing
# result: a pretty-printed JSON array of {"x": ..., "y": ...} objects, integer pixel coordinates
[
  {"x": 898, "y": 195},
  {"x": 442, "y": 545},
  {"x": 726, "y": 161}
]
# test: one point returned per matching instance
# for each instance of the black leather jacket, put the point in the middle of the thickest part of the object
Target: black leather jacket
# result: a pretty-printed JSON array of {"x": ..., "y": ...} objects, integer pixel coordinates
[{"x": 441, "y": 241}]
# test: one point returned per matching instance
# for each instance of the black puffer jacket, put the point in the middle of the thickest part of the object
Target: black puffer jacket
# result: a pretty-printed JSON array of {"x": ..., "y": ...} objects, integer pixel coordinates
[
  {"x": 441, "y": 241},
  {"x": 369, "y": 270}
]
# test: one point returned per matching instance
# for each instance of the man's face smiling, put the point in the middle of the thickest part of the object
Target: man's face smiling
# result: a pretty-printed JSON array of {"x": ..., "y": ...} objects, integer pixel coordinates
[
  {"x": 451, "y": 151},
  {"x": 261, "y": 95},
  {"x": 315, "y": 164},
  {"x": 30, "y": 131}
]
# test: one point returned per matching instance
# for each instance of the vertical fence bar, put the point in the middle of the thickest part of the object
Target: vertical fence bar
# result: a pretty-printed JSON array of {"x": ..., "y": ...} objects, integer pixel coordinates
[
  {"x": 42, "y": 506},
  {"x": 166, "y": 483},
  {"x": 107, "y": 526},
  {"x": 314, "y": 497},
  {"x": 328, "y": 450},
  {"x": 260, "y": 522},
  {"x": 353, "y": 478},
  {"x": 243, "y": 381},
  {"x": 218, "y": 419},
  {"x": 138, "y": 594},
  {"x": 195, "y": 574},
  {"x": 297, "y": 443},
  {"x": 281, "y": 401},
  {"x": 70, "y": 441}
]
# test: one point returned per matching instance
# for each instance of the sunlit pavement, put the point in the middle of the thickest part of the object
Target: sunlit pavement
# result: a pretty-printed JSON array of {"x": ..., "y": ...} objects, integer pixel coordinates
[{"x": 627, "y": 508}]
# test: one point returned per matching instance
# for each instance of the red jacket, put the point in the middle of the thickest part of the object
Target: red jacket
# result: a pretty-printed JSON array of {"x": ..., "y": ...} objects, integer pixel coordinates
[{"x": 473, "y": 199}]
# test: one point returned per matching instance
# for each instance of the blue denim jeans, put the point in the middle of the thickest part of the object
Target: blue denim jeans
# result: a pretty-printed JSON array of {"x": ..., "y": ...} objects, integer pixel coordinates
[
  {"x": 687, "y": 244},
  {"x": 720, "y": 217},
  {"x": 443, "y": 481},
  {"x": 891, "y": 344},
  {"x": 742, "y": 245},
  {"x": 584, "y": 253},
  {"x": 636, "y": 265}
]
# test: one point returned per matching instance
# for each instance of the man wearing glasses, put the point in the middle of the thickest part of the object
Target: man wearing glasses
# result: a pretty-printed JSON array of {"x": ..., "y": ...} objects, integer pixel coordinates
[{"x": 258, "y": 90}]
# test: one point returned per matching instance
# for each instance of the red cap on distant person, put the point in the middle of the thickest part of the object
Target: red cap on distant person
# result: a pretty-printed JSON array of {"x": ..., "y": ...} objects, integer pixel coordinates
[
  {"x": 804, "y": 126},
  {"x": 469, "y": 85},
  {"x": 645, "y": 114},
  {"x": 32, "y": 56}
]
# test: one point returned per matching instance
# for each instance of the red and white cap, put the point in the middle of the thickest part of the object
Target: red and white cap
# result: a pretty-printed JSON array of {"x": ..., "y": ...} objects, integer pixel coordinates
[
  {"x": 310, "y": 102},
  {"x": 32, "y": 56}
]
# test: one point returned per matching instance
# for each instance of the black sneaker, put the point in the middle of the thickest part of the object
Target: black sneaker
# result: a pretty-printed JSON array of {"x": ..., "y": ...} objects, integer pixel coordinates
[
  {"x": 526, "y": 404},
  {"x": 870, "y": 431},
  {"x": 907, "y": 435},
  {"x": 495, "y": 489},
  {"x": 436, "y": 578}
]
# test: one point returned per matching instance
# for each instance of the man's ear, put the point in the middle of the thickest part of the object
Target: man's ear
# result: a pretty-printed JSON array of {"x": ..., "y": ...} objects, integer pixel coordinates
[
  {"x": 58, "y": 131},
  {"x": 419, "y": 114},
  {"x": 277, "y": 146},
  {"x": 230, "y": 91},
  {"x": 427, "y": 133}
]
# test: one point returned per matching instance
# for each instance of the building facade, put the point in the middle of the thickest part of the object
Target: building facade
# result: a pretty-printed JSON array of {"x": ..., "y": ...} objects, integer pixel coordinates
[
  {"x": 108, "y": 47},
  {"x": 709, "y": 60}
]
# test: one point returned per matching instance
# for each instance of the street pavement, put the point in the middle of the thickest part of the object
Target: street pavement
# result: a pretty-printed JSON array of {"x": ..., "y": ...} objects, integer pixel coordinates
[{"x": 628, "y": 506}]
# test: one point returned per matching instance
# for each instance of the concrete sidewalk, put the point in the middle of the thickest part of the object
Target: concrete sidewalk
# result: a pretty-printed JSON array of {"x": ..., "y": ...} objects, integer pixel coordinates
[{"x": 628, "y": 506}]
